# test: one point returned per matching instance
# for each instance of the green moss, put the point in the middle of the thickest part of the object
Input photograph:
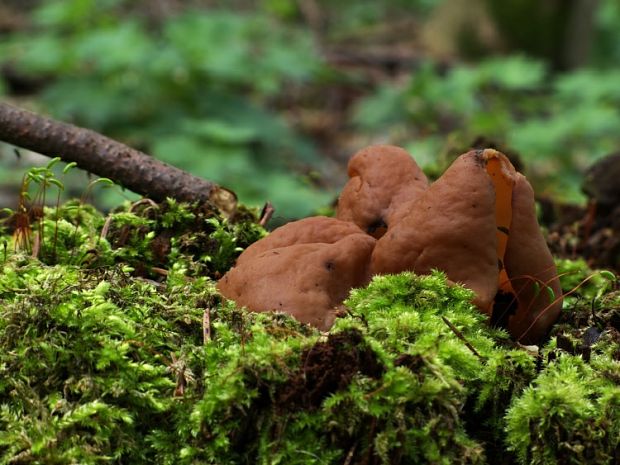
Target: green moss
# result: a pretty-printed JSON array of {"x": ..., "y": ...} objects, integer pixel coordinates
[
  {"x": 99, "y": 365},
  {"x": 143, "y": 235},
  {"x": 569, "y": 414},
  {"x": 571, "y": 411},
  {"x": 115, "y": 347}
]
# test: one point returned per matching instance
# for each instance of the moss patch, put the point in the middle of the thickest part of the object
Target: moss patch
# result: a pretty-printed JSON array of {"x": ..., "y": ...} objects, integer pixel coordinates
[{"x": 116, "y": 348}]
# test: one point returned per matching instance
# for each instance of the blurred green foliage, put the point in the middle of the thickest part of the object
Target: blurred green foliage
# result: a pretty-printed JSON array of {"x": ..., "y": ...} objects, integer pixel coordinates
[
  {"x": 607, "y": 50},
  {"x": 558, "y": 123},
  {"x": 210, "y": 90},
  {"x": 194, "y": 89}
]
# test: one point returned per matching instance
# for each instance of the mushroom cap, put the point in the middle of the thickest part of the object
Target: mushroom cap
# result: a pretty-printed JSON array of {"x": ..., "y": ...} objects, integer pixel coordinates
[
  {"x": 382, "y": 177},
  {"x": 530, "y": 267},
  {"x": 477, "y": 223},
  {"x": 316, "y": 229},
  {"x": 451, "y": 227},
  {"x": 308, "y": 280}
]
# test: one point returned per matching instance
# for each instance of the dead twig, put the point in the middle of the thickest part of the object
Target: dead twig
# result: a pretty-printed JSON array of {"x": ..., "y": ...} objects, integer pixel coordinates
[
  {"x": 178, "y": 367},
  {"x": 349, "y": 458},
  {"x": 266, "y": 214},
  {"x": 36, "y": 245},
  {"x": 159, "y": 271},
  {"x": 108, "y": 158},
  {"x": 206, "y": 326},
  {"x": 106, "y": 227}
]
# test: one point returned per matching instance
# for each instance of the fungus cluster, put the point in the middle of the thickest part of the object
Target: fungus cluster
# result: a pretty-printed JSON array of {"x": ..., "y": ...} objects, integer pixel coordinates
[{"x": 477, "y": 223}]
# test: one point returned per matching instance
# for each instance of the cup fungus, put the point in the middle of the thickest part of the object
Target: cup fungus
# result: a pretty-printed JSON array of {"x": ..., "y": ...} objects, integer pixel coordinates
[
  {"x": 450, "y": 227},
  {"x": 477, "y": 223},
  {"x": 305, "y": 268},
  {"x": 382, "y": 179}
]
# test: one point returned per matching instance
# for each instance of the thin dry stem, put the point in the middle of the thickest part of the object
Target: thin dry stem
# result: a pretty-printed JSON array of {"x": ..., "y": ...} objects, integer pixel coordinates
[{"x": 206, "y": 326}]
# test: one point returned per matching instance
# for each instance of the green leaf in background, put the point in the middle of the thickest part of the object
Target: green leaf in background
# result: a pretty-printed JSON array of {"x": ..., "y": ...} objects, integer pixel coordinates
[
  {"x": 194, "y": 90},
  {"x": 589, "y": 86},
  {"x": 559, "y": 124},
  {"x": 220, "y": 131},
  {"x": 220, "y": 83},
  {"x": 513, "y": 72},
  {"x": 106, "y": 49}
]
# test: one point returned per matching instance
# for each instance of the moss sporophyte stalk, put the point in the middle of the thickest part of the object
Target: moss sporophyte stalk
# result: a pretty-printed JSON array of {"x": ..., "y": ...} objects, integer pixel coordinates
[{"x": 104, "y": 358}]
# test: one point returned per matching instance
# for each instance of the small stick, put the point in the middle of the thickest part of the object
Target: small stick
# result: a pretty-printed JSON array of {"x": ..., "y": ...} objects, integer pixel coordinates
[
  {"x": 349, "y": 458},
  {"x": 108, "y": 158},
  {"x": 461, "y": 337},
  {"x": 159, "y": 271},
  {"x": 266, "y": 214},
  {"x": 179, "y": 389},
  {"x": 36, "y": 245},
  {"x": 206, "y": 326},
  {"x": 179, "y": 367},
  {"x": 106, "y": 227}
]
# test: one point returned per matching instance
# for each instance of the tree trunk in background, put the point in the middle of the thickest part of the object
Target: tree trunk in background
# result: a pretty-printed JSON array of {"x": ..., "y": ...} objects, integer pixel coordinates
[
  {"x": 579, "y": 34},
  {"x": 559, "y": 31}
]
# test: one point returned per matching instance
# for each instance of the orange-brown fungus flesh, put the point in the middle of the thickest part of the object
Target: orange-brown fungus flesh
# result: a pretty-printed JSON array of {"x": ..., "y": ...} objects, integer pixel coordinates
[
  {"x": 477, "y": 223},
  {"x": 305, "y": 268},
  {"x": 501, "y": 173},
  {"x": 531, "y": 269},
  {"x": 382, "y": 179},
  {"x": 317, "y": 229},
  {"x": 451, "y": 227}
]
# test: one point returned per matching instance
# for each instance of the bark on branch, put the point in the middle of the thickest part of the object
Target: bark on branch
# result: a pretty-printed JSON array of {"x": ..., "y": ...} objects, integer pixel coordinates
[{"x": 108, "y": 158}]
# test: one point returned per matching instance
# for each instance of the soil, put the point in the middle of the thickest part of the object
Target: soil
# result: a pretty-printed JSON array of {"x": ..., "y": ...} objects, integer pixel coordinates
[
  {"x": 327, "y": 367},
  {"x": 591, "y": 233}
]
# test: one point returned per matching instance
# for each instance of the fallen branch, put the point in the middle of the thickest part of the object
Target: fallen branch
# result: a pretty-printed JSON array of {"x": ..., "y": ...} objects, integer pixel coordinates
[{"x": 108, "y": 158}]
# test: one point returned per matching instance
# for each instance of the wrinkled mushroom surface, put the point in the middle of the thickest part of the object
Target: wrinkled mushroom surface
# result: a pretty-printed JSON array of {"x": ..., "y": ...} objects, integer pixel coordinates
[
  {"x": 308, "y": 280},
  {"x": 451, "y": 227},
  {"x": 477, "y": 223},
  {"x": 316, "y": 229},
  {"x": 382, "y": 178},
  {"x": 530, "y": 268}
]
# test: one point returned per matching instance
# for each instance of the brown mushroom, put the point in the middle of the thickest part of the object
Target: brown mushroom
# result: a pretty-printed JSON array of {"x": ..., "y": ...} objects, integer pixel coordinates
[
  {"x": 478, "y": 224},
  {"x": 307, "y": 273},
  {"x": 321, "y": 229},
  {"x": 382, "y": 178},
  {"x": 450, "y": 227},
  {"x": 531, "y": 270}
]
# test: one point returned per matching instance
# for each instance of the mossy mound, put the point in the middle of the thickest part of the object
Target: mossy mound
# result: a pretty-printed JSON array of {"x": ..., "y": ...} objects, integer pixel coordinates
[{"x": 116, "y": 348}]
